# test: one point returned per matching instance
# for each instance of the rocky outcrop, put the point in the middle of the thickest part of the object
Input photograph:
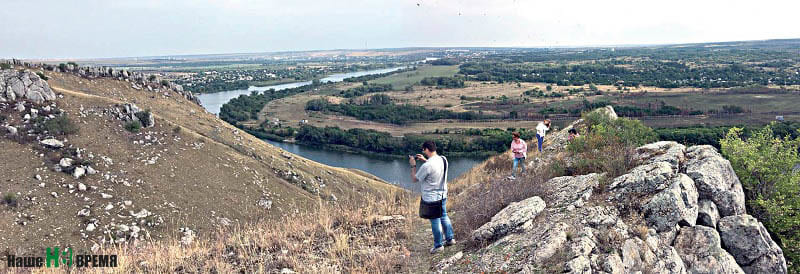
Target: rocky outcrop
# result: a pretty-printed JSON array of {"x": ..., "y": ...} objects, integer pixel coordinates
[
  {"x": 701, "y": 251},
  {"x": 130, "y": 112},
  {"x": 508, "y": 219},
  {"x": 24, "y": 85},
  {"x": 750, "y": 244},
  {"x": 138, "y": 80},
  {"x": 681, "y": 210},
  {"x": 675, "y": 205},
  {"x": 715, "y": 179}
]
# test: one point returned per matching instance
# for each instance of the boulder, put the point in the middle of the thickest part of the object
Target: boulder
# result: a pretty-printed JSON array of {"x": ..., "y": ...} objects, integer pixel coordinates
[
  {"x": 715, "y": 180},
  {"x": 643, "y": 180},
  {"x": 146, "y": 118},
  {"x": 25, "y": 85},
  {"x": 11, "y": 130},
  {"x": 675, "y": 205},
  {"x": 707, "y": 214},
  {"x": 573, "y": 190},
  {"x": 52, "y": 143},
  {"x": 700, "y": 249},
  {"x": 508, "y": 219},
  {"x": 264, "y": 203},
  {"x": 65, "y": 162},
  {"x": 78, "y": 172},
  {"x": 751, "y": 245},
  {"x": 664, "y": 151}
]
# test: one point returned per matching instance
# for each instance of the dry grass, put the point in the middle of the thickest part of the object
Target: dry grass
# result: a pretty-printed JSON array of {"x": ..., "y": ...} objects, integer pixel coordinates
[{"x": 333, "y": 238}]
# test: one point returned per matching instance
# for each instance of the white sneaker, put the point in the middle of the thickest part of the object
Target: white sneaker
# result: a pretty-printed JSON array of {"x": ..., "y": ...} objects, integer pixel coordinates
[
  {"x": 437, "y": 249},
  {"x": 450, "y": 242},
  {"x": 511, "y": 178}
]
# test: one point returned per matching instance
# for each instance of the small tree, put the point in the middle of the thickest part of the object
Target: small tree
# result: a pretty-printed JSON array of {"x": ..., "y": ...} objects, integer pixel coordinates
[
  {"x": 133, "y": 126},
  {"x": 61, "y": 125},
  {"x": 766, "y": 167}
]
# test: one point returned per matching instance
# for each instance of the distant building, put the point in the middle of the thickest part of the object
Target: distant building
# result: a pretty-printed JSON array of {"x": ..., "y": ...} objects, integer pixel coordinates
[
  {"x": 303, "y": 122},
  {"x": 779, "y": 118}
]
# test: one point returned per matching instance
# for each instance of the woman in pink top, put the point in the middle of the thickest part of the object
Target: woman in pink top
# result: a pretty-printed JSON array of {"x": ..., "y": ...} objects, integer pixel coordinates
[{"x": 520, "y": 150}]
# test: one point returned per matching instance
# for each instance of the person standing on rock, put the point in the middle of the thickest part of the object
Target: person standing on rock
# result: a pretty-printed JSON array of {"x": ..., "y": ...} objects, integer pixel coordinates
[
  {"x": 541, "y": 130},
  {"x": 519, "y": 150},
  {"x": 433, "y": 177}
]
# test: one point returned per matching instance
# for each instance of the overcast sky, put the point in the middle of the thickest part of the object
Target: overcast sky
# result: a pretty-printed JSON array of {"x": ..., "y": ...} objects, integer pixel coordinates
[{"x": 122, "y": 28}]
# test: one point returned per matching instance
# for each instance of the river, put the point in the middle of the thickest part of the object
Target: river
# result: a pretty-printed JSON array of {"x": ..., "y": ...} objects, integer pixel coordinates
[
  {"x": 214, "y": 101},
  {"x": 392, "y": 170}
]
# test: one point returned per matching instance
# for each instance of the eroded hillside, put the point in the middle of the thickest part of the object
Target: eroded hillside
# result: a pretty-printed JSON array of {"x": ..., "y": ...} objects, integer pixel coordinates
[{"x": 184, "y": 173}]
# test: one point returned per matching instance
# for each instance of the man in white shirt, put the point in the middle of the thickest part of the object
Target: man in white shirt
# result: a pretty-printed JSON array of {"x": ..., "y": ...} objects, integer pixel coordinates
[
  {"x": 433, "y": 178},
  {"x": 541, "y": 130}
]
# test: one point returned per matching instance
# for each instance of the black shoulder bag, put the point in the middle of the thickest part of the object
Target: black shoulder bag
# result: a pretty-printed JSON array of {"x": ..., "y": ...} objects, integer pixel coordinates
[{"x": 433, "y": 210}]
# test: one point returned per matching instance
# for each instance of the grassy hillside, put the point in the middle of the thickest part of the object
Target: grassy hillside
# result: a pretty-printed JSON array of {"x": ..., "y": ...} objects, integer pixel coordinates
[{"x": 191, "y": 170}]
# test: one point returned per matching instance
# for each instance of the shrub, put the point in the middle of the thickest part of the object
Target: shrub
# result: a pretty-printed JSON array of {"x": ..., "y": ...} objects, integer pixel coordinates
[
  {"x": 607, "y": 146},
  {"x": 41, "y": 75},
  {"x": 10, "y": 199},
  {"x": 765, "y": 166},
  {"x": 133, "y": 126},
  {"x": 61, "y": 125},
  {"x": 5, "y": 66}
]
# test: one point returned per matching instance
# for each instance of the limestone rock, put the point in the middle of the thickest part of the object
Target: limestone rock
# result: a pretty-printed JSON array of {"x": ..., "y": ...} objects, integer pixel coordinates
[
  {"x": 11, "y": 130},
  {"x": 573, "y": 190},
  {"x": 751, "y": 245},
  {"x": 65, "y": 162},
  {"x": 675, "y": 205},
  {"x": 664, "y": 151},
  {"x": 264, "y": 203},
  {"x": 715, "y": 180},
  {"x": 25, "y": 85},
  {"x": 707, "y": 214},
  {"x": 188, "y": 236},
  {"x": 643, "y": 180},
  {"x": 78, "y": 172},
  {"x": 700, "y": 249},
  {"x": 508, "y": 219},
  {"x": 52, "y": 143}
]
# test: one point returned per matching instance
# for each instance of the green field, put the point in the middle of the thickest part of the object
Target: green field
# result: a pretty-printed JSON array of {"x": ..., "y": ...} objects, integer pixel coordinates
[
  {"x": 401, "y": 80},
  {"x": 755, "y": 102}
]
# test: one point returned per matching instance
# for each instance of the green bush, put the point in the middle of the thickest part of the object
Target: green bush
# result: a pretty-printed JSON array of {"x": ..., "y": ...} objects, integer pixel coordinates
[
  {"x": 10, "y": 199},
  {"x": 607, "y": 145},
  {"x": 5, "y": 66},
  {"x": 133, "y": 126},
  {"x": 41, "y": 75},
  {"x": 765, "y": 166},
  {"x": 61, "y": 125}
]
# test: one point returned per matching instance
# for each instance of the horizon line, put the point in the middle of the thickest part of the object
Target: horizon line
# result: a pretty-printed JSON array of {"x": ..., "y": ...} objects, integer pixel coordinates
[{"x": 631, "y": 45}]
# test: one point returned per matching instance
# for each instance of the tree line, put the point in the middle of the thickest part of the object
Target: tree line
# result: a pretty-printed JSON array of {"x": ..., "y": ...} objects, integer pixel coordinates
[
  {"x": 663, "y": 74},
  {"x": 246, "y": 107},
  {"x": 486, "y": 142},
  {"x": 380, "y": 108}
]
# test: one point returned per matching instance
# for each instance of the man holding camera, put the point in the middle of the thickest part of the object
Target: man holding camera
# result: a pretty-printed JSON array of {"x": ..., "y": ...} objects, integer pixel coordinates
[{"x": 433, "y": 177}]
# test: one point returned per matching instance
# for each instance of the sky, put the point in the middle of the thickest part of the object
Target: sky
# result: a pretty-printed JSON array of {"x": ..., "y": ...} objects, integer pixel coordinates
[{"x": 35, "y": 29}]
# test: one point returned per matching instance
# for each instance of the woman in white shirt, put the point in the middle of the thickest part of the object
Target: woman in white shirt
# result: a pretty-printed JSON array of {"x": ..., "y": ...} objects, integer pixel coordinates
[{"x": 541, "y": 130}]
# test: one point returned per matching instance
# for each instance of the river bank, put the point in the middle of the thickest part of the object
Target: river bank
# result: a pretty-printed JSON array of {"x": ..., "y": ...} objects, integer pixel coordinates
[{"x": 392, "y": 168}]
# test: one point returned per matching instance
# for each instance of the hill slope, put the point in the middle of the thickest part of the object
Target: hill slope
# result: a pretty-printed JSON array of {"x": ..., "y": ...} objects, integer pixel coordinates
[
  {"x": 188, "y": 170},
  {"x": 677, "y": 209}
]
